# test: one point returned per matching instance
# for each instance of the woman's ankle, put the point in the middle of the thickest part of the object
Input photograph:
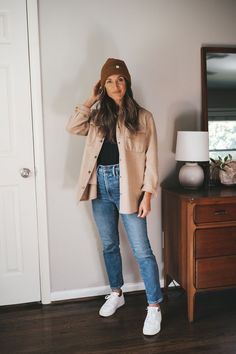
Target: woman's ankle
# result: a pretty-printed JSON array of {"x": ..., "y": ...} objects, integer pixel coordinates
[
  {"x": 118, "y": 290},
  {"x": 154, "y": 305}
]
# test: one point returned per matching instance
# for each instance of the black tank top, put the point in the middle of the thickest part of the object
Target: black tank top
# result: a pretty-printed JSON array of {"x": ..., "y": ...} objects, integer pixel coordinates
[{"x": 109, "y": 154}]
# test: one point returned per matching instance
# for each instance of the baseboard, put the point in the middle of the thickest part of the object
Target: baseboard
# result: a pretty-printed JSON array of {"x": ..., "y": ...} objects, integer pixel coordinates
[
  {"x": 94, "y": 291},
  {"x": 90, "y": 292}
]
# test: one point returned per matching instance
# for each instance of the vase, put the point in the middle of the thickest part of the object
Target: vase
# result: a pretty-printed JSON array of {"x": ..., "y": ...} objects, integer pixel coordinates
[{"x": 228, "y": 174}]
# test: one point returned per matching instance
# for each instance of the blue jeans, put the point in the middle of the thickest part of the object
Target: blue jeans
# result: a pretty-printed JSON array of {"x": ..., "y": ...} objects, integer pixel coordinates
[{"x": 106, "y": 214}]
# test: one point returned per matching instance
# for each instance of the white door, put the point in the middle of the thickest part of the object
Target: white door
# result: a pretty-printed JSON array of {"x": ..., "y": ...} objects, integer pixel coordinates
[{"x": 19, "y": 259}]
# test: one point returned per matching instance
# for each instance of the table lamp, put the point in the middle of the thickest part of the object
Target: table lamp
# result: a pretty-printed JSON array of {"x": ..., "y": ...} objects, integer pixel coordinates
[{"x": 192, "y": 147}]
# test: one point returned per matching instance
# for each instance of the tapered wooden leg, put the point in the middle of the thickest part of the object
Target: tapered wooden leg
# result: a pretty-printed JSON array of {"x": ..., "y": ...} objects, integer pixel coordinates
[{"x": 191, "y": 304}]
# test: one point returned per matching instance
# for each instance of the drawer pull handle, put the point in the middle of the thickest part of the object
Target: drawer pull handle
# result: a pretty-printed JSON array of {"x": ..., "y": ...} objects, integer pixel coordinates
[{"x": 220, "y": 212}]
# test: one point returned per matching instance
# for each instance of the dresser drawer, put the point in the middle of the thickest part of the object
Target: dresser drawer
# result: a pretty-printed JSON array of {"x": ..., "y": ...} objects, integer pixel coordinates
[
  {"x": 215, "y": 242},
  {"x": 216, "y": 272},
  {"x": 214, "y": 213}
]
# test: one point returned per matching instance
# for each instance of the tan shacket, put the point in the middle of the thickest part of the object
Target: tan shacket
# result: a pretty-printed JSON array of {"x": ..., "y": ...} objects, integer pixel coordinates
[{"x": 137, "y": 158}]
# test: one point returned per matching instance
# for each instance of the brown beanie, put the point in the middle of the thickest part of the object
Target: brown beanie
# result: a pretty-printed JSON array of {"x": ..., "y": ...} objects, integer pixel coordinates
[{"x": 112, "y": 67}]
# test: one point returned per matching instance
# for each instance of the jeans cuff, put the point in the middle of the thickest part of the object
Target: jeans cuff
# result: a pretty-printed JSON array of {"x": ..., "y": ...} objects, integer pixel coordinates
[{"x": 155, "y": 302}]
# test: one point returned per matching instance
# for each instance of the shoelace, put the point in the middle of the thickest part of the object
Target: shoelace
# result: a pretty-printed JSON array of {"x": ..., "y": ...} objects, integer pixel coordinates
[
  {"x": 110, "y": 296},
  {"x": 150, "y": 309},
  {"x": 151, "y": 313}
]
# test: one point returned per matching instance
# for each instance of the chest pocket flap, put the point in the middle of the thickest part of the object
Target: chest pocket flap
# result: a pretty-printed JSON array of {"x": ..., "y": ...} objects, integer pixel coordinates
[{"x": 136, "y": 141}]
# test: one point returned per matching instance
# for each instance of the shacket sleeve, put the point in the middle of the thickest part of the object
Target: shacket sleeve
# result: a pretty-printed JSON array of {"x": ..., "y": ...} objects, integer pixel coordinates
[
  {"x": 79, "y": 121},
  {"x": 150, "y": 183}
]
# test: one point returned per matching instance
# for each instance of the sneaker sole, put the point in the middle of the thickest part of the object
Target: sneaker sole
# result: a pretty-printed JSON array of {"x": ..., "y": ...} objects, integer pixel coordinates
[{"x": 151, "y": 333}]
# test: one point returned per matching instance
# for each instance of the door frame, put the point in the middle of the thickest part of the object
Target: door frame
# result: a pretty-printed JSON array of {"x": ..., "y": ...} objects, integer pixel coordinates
[{"x": 38, "y": 146}]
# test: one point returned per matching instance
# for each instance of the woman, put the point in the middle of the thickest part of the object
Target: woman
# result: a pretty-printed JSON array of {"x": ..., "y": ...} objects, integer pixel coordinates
[{"x": 119, "y": 175}]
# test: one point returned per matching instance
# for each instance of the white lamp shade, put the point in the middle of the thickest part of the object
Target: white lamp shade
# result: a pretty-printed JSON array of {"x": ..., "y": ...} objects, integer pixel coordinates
[{"x": 192, "y": 146}]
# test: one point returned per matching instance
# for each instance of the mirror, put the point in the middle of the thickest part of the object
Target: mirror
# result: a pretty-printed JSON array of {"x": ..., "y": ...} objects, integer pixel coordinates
[{"x": 219, "y": 99}]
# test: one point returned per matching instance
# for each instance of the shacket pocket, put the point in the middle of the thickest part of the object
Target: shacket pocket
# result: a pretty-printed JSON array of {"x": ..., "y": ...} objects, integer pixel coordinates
[{"x": 135, "y": 142}]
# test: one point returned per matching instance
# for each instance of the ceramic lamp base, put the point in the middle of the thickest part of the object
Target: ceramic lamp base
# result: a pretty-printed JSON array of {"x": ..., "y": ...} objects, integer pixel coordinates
[{"x": 191, "y": 175}]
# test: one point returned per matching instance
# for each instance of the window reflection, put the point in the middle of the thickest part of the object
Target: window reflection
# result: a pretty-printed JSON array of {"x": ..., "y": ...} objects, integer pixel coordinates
[
  {"x": 222, "y": 138},
  {"x": 221, "y": 87}
]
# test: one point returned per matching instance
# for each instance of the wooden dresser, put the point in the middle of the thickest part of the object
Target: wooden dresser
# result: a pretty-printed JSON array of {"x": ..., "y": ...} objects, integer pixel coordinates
[{"x": 199, "y": 240}]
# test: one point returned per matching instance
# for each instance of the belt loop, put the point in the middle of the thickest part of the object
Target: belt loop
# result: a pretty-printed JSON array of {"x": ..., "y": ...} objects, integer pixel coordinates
[{"x": 113, "y": 170}]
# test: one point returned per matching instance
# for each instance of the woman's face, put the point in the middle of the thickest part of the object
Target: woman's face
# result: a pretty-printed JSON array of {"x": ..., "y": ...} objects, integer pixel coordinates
[{"x": 115, "y": 86}]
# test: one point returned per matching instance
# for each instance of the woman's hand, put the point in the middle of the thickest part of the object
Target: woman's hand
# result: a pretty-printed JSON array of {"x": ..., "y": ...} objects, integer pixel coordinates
[
  {"x": 145, "y": 205},
  {"x": 94, "y": 95}
]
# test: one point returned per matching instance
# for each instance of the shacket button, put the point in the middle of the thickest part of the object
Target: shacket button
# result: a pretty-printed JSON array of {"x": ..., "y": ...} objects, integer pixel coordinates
[
  {"x": 95, "y": 156},
  {"x": 89, "y": 171}
]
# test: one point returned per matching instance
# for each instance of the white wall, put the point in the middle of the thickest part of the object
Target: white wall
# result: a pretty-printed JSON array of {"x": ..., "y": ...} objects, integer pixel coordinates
[{"x": 160, "y": 41}]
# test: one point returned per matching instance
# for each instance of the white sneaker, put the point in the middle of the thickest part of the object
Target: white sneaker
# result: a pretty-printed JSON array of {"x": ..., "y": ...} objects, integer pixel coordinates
[
  {"x": 114, "y": 301},
  {"x": 152, "y": 323}
]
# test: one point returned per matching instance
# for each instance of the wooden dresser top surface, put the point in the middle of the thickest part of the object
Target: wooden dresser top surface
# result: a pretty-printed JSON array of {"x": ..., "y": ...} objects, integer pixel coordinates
[{"x": 216, "y": 192}]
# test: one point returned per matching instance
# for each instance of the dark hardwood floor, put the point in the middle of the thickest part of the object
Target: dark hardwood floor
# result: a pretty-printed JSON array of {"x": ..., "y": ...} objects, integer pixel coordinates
[{"x": 75, "y": 327}]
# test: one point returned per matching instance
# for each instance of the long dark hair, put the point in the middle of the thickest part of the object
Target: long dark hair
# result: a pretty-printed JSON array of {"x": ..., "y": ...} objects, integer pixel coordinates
[{"x": 108, "y": 112}]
